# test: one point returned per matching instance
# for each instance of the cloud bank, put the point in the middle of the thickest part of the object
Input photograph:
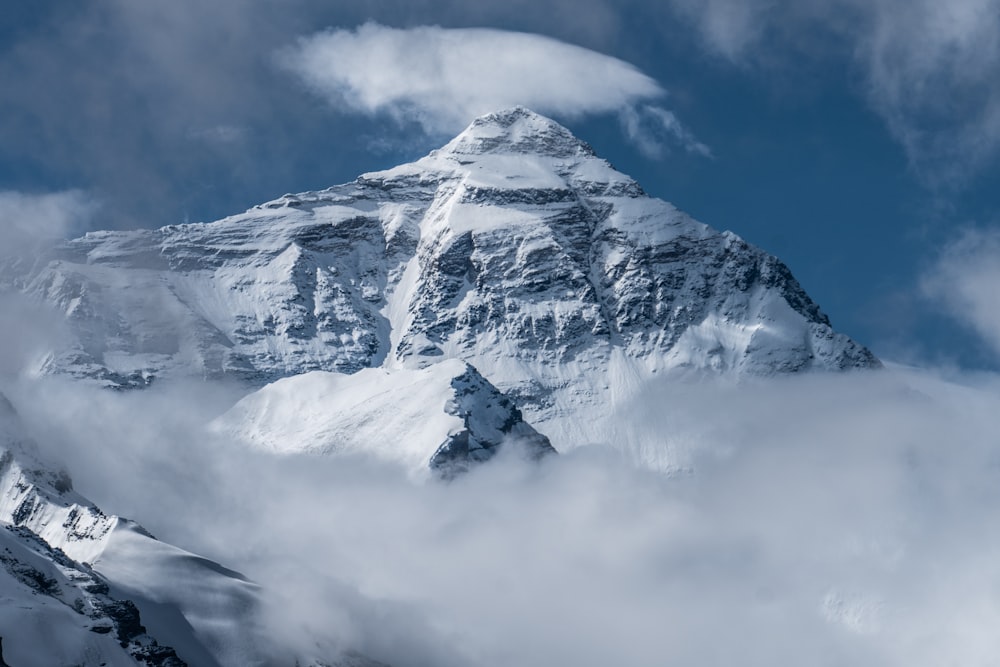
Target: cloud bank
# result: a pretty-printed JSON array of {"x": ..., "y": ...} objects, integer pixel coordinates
[
  {"x": 843, "y": 516},
  {"x": 929, "y": 69},
  {"x": 443, "y": 78}
]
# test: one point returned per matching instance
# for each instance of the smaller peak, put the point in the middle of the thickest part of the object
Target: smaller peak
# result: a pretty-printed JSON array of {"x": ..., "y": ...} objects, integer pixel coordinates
[{"x": 517, "y": 130}]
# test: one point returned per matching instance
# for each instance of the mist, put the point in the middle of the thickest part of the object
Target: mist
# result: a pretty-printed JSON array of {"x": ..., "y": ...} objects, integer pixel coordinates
[{"x": 823, "y": 519}]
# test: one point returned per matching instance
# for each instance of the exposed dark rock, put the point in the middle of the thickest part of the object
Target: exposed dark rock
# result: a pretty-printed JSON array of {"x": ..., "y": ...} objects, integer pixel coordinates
[{"x": 491, "y": 421}]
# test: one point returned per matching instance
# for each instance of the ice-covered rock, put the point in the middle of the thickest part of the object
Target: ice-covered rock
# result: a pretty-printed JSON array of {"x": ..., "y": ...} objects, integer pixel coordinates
[{"x": 57, "y": 611}]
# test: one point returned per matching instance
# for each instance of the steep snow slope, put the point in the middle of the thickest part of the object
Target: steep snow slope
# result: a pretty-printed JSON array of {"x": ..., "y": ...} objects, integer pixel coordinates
[
  {"x": 440, "y": 418},
  {"x": 513, "y": 248},
  {"x": 37, "y": 498},
  {"x": 55, "y": 611}
]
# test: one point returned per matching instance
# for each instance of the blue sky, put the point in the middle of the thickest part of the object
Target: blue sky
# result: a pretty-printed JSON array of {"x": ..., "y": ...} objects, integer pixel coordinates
[{"x": 857, "y": 141}]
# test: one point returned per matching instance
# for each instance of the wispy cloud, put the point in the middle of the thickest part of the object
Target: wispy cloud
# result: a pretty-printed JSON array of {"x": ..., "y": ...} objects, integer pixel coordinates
[
  {"x": 29, "y": 224},
  {"x": 653, "y": 129},
  {"x": 729, "y": 27},
  {"x": 443, "y": 78},
  {"x": 932, "y": 69},
  {"x": 965, "y": 281},
  {"x": 26, "y": 218},
  {"x": 929, "y": 68},
  {"x": 142, "y": 104}
]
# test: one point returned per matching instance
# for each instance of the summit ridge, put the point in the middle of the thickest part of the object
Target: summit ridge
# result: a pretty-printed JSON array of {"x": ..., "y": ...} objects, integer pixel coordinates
[{"x": 517, "y": 130}]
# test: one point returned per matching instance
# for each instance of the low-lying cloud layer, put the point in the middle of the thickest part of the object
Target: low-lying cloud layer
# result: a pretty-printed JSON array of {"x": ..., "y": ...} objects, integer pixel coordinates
[
  {"x": 844, "y": 519},
  {"x": 443, "y": 78},
  {"x": 27, "y": 219},
  {"x": 29, "y": 224}
]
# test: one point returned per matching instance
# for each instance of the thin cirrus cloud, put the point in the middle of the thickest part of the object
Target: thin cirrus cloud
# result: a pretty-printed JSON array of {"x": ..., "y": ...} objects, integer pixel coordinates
[
  {"x": 964, "y": 281},
  {"x": 28, "y": 223},
  {"x": 443, "y": 78},
  {"x": 931, "y": 69},
  {"x": 927, "y": 68}
]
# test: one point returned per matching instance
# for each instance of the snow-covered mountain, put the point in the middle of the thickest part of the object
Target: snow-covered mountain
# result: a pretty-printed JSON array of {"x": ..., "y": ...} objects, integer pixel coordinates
[
  {"x": 428, "y": 315},
  {"x": 513, "y": 248}
]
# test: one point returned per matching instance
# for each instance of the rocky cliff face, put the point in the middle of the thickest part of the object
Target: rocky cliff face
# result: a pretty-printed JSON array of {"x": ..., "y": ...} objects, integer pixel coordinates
[
  {"x": 38, "y": 495},
  {"x": 513, "y": 248},
  {"x": 51, "y": 537}
]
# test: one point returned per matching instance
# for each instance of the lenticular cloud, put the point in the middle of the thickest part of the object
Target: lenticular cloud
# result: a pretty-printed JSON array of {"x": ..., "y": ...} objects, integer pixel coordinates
[{"x": 442, "y": 78}]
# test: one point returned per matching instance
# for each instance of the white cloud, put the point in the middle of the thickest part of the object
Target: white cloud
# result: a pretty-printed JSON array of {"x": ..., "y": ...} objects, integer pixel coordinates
[
  {"x": 728, "y": 26},
  {"x": 443, "y": 78},
  {"x": 929, "y": 67},
  {"x": 29, "y": 224},
  {"x": 932, "y": 69},
  {"x": 652, "y": 128},
  {"x": 966, "y": 281},
  {"x": 221, "y": 134},
  {"x": 28, "y": 331},
  {"x": 27, "y": 218},
  {"x": 845, "y": 516}
]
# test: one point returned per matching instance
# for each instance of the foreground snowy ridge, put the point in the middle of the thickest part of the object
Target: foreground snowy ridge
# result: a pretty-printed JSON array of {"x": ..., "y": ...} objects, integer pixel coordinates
[{"x": 78, "y": 586}]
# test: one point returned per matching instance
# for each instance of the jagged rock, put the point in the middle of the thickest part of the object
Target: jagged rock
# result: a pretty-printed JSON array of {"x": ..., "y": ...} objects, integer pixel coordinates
[{"x": 65, "y": 614}]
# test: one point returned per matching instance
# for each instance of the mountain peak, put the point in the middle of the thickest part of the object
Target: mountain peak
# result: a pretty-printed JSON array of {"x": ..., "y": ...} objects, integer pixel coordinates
[
  {"x": 513, "y": 249},
  {"x": 511, "y": 115},
  {"x": 517, "y": 130}
]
